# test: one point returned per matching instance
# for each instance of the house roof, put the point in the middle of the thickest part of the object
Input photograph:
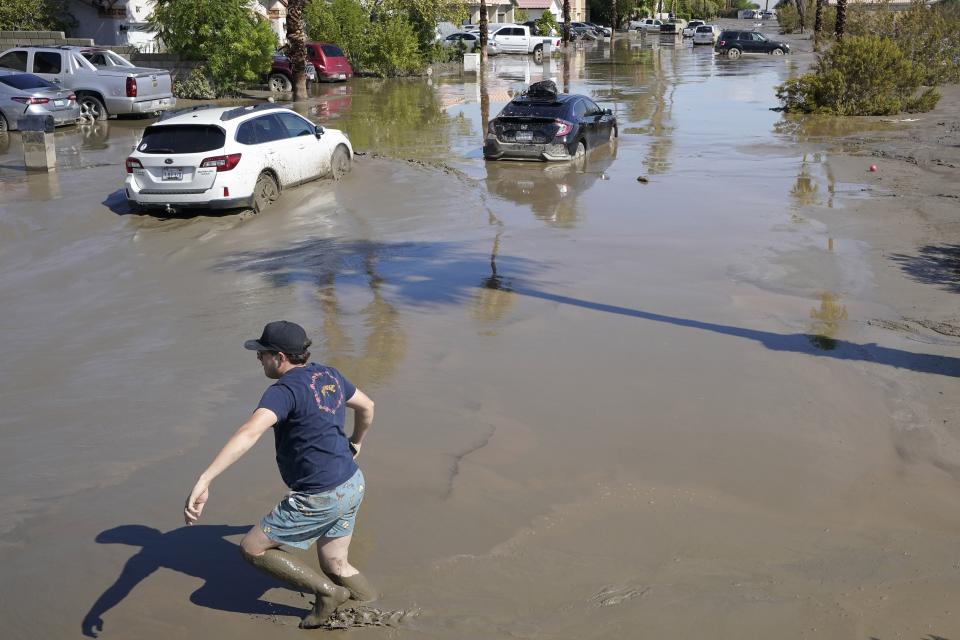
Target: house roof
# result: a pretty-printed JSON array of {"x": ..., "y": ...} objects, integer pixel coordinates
[{"x": 533, "y": 4}]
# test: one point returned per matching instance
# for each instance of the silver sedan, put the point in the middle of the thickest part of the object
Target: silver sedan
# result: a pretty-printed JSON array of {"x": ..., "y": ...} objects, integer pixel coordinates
[{"x": 24, "y": 94}]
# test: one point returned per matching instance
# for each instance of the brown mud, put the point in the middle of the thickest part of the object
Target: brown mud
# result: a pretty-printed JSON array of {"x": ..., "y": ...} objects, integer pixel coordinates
[{"x": 719, "y": 404}]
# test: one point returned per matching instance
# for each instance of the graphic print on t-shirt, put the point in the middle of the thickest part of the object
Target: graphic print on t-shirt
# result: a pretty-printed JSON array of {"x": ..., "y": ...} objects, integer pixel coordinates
[{"x": 326, "y": 391}]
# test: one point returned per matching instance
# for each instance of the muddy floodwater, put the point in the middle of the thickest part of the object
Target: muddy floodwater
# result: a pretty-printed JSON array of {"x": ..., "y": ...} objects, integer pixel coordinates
[{"x": 717, "y": 403}]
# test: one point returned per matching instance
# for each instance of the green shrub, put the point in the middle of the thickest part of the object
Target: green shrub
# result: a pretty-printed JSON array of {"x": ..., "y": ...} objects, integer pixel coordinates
[
  {"x": 35, "y": 15},
  {"x": 859, "y": 76},
  {"x": 393, "y": 48},
  {"x": 236, "y": 44},
  {"x": 344, "y": 22},
  {"x": 195, "y": 87},
  {"x": 547, "y": 24},
  {"x": 789, "y": 20},
  {"x": 928, "y": 36}
]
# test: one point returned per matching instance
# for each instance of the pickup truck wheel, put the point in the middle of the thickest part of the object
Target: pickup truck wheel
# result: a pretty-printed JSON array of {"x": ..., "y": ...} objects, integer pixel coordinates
[
  {"x": 733, "y": 53},
  {"x": 340, "y": 162},
  {"x": 92, "y": 107},
  {"x": 280, "y": 83},
  {"x": 265, "y": 192},
  {"x": 538, "y": 53}
]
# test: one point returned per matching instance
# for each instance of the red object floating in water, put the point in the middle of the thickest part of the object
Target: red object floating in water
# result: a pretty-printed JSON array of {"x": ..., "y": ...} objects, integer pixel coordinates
[{"x": 873, "y": 167}]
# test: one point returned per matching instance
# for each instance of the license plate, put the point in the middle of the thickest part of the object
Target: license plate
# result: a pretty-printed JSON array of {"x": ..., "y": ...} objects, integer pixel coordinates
[
  {"x": 343, "y": 76},
  {"x": 59, "y": 103},
  {"x": 524, "y": 136},
  {"x": 172, "y": 173}
]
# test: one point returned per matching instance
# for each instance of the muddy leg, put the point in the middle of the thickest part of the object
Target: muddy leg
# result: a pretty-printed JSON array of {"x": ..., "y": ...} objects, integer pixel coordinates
[
  {"x": 333, "y": 559},
  {"x": 262, "y": 553}
]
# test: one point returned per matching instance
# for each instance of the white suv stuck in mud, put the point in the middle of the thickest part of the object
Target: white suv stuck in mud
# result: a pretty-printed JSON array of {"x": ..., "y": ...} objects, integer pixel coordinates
[{"x": 224, "y": 158}]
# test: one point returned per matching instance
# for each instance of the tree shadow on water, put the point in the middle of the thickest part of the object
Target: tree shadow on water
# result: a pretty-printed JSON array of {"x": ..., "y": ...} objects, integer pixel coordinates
[
  {"x": 933, "y": 264},
  {"x": 200, "y": 551}
]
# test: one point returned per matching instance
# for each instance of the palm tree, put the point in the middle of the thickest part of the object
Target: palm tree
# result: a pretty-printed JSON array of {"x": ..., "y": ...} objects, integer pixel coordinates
[
  {"x": 801, "y": 13},
  {"x": 566, "y": 22},
  {"x": 818, "y": 24},
  {"x": 841, "y": 18},
  {"x": 483, "y": 33},
  {"x": 296, "y": 45}
]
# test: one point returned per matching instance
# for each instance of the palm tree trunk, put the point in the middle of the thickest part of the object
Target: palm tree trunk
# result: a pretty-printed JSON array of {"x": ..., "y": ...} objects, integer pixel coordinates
[
  {"x": 483, "y": 33},
  {"x": 818, "y": 25},
  {"x": 841, "y": 18},
  {"x": 566, "y": 22},
  {"x": 613, "y": 21},
  {"x": 296, "y": 43},
  {"x": 801, "y": 13}
]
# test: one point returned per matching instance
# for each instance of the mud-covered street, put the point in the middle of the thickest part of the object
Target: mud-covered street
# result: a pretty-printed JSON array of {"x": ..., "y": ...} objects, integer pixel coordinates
[{"x": 719, "y": 402}]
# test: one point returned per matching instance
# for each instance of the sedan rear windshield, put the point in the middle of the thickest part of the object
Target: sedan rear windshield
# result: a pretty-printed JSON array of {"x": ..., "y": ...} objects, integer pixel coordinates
[
  {"x": 539, "y": 109},
  {"x": 181, "y": 138},
  {"x": 332, "y": 50},
  {"x": 25, "y": 81}
]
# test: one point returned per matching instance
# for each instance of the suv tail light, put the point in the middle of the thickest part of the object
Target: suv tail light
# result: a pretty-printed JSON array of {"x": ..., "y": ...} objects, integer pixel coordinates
[
  {"x": 222, "y": 163},
  {"x": 133, "y": 163},
  {"x": 565, "y": 127},
  {"x": 492, "y": 127},
  {"x": 30, "y": 100},
  {"x": 722, "y": 42},
  {"x": 72, "y": 97},
  {"x": 131, "y": 87}
]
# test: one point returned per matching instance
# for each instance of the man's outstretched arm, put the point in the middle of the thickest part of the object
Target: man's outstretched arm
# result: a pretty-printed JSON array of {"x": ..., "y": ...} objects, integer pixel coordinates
[
  {"x": 362, "y": 407},
  {"x": 238, "y": 444}
]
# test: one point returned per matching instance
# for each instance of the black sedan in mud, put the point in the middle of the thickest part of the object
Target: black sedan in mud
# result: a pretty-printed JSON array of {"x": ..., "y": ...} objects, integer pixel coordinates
[{"x": 543, "y": 124}]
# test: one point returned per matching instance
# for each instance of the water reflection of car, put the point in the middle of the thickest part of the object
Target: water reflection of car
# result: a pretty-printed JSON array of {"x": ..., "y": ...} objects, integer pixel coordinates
[
  {"x": 543, "y": 124},
  {"x": 24, "y": 94},
  {"x": 551, "y": 191},
  {"x": 331, "y": 101},
  {"x": 470, "y": 42}
]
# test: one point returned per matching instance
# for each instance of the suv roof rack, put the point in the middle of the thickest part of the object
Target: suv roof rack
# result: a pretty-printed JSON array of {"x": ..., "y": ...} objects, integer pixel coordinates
[
  {"x": 47, "y": 46},
  {"x": 166, "y": 115},
  {"x": 230, "y": 114}
]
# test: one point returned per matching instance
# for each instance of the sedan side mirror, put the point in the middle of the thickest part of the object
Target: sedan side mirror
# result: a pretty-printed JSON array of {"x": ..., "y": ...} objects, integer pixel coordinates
[
  {"x": 319, "y": 130},
  {"x": 608, "y": 112}
]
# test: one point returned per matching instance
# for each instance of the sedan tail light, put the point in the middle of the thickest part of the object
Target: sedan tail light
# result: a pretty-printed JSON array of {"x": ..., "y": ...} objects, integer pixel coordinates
[
  {"x": 72, "y": 97},
  {"x": 133, "y": 163},
  {"x": 131, "y": 87},
  {"x": 25, "y": 100},
  {"x": 564, "y": 127},
  {"x": 222, "y": 163}
]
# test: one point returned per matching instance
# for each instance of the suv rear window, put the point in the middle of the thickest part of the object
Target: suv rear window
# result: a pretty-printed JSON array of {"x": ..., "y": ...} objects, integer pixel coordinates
[
  {"x": 24, "y": 81},
  {"x": 332, "y": 50},
  {"x": 181, "y": 138},
  {"x": 704, "y": 29}
]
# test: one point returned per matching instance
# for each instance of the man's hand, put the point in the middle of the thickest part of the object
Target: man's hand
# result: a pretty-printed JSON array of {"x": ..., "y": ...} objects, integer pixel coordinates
[{"x": 194, "y": 506}]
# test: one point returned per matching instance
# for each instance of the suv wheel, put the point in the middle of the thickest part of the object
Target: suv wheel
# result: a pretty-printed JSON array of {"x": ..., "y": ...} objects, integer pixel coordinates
[
  {"x": 777, "y": 52},
  {"x": 4, "y": 127},
  {"x": 734, "y": 53},
  {"x": 92, "y": 107},
  {"x": 265, "y": 192},
  {"x": 340, "y": 162},
  {"x": 280, "y": 83}
]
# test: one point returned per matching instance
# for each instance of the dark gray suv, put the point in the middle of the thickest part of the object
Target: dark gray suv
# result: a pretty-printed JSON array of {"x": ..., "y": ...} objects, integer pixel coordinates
[{"x": 735, "y": 43}]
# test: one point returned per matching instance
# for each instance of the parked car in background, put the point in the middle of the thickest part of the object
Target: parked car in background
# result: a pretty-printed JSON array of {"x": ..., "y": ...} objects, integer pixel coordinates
[
  {"x": 603, "y": 31},
  {"x": 471, "y": 42},
  {"x": 229, "y": 157},
  {"x": 280, "y": 78},
  {"x": 674, "y": 26},
  {"x": 543, "y": 124},
  {"x": 735, "y": 43},
  {"x": 24, "y": 94},
  {"x": 649, "y": 24},
  {"x": 767, "y": 15},
  {"x": 691, "y": 27},
  {"x": 330, "y": 62},
  {"x": 706, "y": 34},
  {"x": 516, "y": 38},
  {"x": 101, "y": 91}
]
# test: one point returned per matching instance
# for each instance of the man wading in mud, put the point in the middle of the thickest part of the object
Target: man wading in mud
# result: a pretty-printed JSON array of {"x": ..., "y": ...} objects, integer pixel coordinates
[{"x": 306, "y": 406}]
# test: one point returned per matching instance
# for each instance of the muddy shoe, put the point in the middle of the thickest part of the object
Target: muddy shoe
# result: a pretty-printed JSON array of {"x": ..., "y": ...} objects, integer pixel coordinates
[
  {"x": 360, "y": 588},
  {"x": 324, "y": 608}
]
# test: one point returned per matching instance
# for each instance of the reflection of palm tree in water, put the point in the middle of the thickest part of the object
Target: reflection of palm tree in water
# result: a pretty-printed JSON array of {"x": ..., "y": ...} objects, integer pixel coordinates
[
  {"x": 826, "y": 321},
  {"x": 805, "y": 189},
  {"x": 386, "y": 343},
  {"x": 200, "y": 551}
]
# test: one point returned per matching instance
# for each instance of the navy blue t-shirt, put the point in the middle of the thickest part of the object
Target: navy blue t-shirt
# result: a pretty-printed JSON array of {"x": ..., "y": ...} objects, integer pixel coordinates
[{"x": 312, "y": 449}]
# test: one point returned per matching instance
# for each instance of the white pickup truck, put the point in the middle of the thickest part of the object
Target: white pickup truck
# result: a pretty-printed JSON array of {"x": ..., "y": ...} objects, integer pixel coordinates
[
  {"x": 106, "y": 84},
  {"x": 516, "y": 38}
]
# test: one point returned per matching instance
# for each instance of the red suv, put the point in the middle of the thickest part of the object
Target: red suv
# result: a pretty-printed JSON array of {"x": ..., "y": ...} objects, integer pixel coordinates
[{"x": 330, "y": 62}]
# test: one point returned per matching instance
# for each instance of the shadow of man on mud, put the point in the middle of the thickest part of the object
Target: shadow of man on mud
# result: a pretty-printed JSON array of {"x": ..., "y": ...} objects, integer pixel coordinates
[{"x": 200, "y": 551}]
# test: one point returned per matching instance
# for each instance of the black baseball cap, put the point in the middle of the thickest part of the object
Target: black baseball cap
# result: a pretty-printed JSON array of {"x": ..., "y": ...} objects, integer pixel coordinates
[{"x": 288, "y": 337}]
